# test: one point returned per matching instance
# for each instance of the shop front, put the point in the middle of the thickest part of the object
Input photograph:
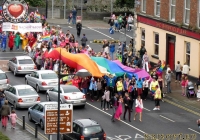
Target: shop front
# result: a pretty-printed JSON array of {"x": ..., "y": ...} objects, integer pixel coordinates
[{"x": 170, "y": 43}]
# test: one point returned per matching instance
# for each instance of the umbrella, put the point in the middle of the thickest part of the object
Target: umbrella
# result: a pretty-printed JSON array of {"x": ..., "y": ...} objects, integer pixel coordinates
[{"x": 83, "y": 73}]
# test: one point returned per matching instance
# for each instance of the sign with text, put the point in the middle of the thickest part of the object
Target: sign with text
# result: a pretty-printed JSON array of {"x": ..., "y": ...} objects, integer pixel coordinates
[{"x": 51, "y": 118}]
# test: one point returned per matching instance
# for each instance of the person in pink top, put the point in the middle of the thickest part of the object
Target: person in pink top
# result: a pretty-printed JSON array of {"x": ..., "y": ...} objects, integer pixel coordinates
[
  {"x": 184, "y": 84},
  {"x": 63, "y": 43},
  {"x": 13, "y": 119}
]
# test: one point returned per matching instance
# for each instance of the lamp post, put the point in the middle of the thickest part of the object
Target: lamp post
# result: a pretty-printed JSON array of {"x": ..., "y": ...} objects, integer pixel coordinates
[
  {"x": 81, "y": 10},
  {"x": 111, "y": 7},
  {"x": 46, "y": 9},
  {"x": 64, "y": 9},
  {"x": 58, "y": 123}
]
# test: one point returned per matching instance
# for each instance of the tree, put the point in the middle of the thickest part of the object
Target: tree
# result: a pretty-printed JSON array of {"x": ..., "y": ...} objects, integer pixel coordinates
[
  {"x": 36, "y": 3},
  {"x": 125, "y": 3}
]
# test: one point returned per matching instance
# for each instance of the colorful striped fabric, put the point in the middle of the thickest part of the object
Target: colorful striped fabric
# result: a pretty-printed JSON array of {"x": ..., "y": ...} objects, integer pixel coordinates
[
  {"x": 46, "y": 37},
  {"x": 35, "y": 44},
  {"x": 37, "y": 15},
  {"x": 153, "y": 90},
  {"x": 160, "y": 70}
]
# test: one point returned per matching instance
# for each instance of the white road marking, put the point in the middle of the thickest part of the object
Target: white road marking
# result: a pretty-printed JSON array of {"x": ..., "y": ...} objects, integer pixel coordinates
[
  {"x": 83, "y": 28},
  {"x": 166, "y": 118},
  {"x": 147, "y": 109},
  {"x": 70, "y": 26},
  {"x": 101, "y": 33},
  {"x": 126, "y": 35},
  {"x": 194, "y": 131},
  {"x": 120, "y": 120}
]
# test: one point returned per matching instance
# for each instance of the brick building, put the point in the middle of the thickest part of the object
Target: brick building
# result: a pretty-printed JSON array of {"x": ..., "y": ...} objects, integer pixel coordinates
[{"x": 170, "y": 31}]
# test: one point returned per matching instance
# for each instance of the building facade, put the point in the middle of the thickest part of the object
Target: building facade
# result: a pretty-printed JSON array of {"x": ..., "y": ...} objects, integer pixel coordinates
[{"x": 170, "y": 31}]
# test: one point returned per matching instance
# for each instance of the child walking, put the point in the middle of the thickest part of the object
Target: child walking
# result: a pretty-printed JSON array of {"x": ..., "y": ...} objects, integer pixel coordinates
[{"x": 13, "y": 119}]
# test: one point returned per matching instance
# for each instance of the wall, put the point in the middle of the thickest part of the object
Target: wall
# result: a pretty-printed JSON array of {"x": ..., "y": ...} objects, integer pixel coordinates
[{"x": 180, "y": 47}]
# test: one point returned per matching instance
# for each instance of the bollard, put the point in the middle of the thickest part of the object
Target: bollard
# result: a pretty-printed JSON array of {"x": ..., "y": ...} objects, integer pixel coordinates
[
  {"x": 23, "y": 122},
  {"x": 12, "y": 107},
  {"x": 50, "y": 137},
  {"x": 36, "y": 130}
]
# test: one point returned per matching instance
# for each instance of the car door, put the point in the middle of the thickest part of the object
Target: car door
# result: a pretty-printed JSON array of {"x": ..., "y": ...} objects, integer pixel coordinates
[
  {"x": 14, "y": 64},
  {"x": 31, "y": 79},
  {"x": 40, "y": 113},
  {"x": 13, "y": 95},
  {"x": 34, "y": 112},
  {"x": 54, "y": 94},
  {"x": 11, "y": 65},
  {"x": 76, "y": 131},
  {"x": 8, "y": 93}
]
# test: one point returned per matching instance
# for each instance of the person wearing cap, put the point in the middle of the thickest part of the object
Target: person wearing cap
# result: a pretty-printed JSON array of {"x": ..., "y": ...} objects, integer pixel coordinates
[{"x": 157, "y": 98}]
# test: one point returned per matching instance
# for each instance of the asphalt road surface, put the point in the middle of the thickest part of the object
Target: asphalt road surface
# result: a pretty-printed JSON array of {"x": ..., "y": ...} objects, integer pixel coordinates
[{"x": 169, "y": 120}]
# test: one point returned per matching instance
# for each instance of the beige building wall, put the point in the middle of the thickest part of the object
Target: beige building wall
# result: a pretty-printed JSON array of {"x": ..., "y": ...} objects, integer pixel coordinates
[{"x": 180, "y": 47}]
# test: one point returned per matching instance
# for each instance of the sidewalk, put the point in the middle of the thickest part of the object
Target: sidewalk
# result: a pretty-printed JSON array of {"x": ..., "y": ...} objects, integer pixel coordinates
[{"x": 17, "y": 134}]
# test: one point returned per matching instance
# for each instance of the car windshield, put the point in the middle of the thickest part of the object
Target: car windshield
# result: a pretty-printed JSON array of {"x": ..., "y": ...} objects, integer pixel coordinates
[
  {"x": 2, "y": 76},
  {"x": 70, "y": 89},
  {"x": 27, "y": 91},
  {"x": 49, "y": 76},
  {"x": 25, "y": 61},
  {"x": 92, "y": 130}
]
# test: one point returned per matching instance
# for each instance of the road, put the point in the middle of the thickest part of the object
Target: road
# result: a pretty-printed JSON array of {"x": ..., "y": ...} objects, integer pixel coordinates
[{"x": 170, "y": 120}]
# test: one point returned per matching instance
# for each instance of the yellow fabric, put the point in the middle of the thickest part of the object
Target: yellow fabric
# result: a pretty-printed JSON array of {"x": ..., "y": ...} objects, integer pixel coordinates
[
  {"x": 24, "y": 41},
  {"x": 158, "y": 94},
  {"x": 119, "y": 86},
  {"x": 154, "y": 84}
]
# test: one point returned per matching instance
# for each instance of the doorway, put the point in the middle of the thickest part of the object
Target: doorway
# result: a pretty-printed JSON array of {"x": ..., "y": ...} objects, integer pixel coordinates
[{"x": 170, "y": 51}]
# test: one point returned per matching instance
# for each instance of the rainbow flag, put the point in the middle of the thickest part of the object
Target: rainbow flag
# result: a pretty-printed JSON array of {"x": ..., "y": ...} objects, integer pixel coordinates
[
  {"x": 37, "y": 15},
  {"x": 35, "y": 44},
  {"x": 69, "y": 82},
  {"x": 153, "y": 90},
  {"x": 160, "y": 70},
  {"x": 46, "y": 37}
]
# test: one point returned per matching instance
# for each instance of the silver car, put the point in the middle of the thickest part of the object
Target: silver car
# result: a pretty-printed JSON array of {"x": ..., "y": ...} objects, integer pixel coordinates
[
  {"x": 42, "y": 80},
  {"x": 22, "y": 96},
  {"x": 68, "y": 94},
  {"x": 21, "y": 65},
  {"x": 3, "y": 80}
]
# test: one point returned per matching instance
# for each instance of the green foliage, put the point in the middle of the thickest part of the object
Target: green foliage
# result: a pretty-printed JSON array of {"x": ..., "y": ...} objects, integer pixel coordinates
[
  {"x": 3, "y": 137},
  {"x": 36, "y": 3},
  {"x": 125, "y": 3}
]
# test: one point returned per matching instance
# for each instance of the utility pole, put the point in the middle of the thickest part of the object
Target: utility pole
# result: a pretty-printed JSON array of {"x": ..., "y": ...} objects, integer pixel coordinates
[
  {"x": 111, "y": 7},
  {"x": 81, "y": 10},
  {"x": 46, "y": 9},
  {"x": 58, "y": 113},
  {"x": 137, "y": 3},
  {"x": 52, "y": 9}
]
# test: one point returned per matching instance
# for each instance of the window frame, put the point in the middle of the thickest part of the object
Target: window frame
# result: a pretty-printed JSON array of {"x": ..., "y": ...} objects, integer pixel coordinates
[
  {"x": 143, "y": 40},
  {"x": 142, "y": 6},
  {"x": 156, "y": 43},
  {"x": 155, "y": 7},
  {"x": 198, "y": 14},
  {"x": 186, "y": 52},
  {"x": 170, "y": 13},
  {"x": 185, "y": 9}
]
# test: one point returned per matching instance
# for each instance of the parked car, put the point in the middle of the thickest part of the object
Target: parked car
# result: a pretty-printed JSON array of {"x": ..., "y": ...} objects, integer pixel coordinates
[
  {"x": 42, "y": 80},
  {"x": 36, "y": 113},
  {"x": 3, "y": 80},
  {"x": 69, "y": 94},
  {"x": 85, "y": 129},
  {"x": 21, "y": 65},
  {"x": 22, "y": 96}
]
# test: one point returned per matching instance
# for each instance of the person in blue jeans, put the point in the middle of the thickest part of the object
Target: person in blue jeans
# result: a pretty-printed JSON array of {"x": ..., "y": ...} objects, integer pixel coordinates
[
  {"x": 92, "y": 88},
  {"x": 112, "y": 50},
  {"x": 74, "y": 14},
  {"x": 4, "y": 42}
]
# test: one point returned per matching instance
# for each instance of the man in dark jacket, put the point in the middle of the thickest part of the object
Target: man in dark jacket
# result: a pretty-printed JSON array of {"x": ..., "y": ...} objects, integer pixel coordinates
[
  {"x": 127, "y": 106},
  {"x": 78, "y": 28},
  {"x": 84, "y": 41},
  {"x": 114, "y": 105}
]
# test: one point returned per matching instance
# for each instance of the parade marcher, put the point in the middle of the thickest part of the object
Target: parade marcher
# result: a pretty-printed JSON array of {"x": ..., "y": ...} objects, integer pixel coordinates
[
  {"x": 5, "y": 112},
  {"x": 138, "y": 108},
  {"x": 178, "y": 70},
  {"x": 39, "y": 61},
  {"x": 24, "y": 40},
  {"x": 4, "y": 42},
  {"x": 127, "y": 106},
  {"x": 17, "y": 40},
  {"x": 92, "y": 88},
  {"x": 84, "y": 41},
  {"x": 139, "y": 86},
  {"x": 78, "y": 28},
  {"x": 11, "y": 41},
  {"x": 145, "y": 88},
  {"x": 84, "y": 85},
  {"x": 110, "y": 80},
  {"x": 99, "y": 88},
  {"x": 157, "y": 98},
  {"x": 161, "y": 85},
  {"x": 186, "y": 69},
  {"x": 114, "y": 105},
  {"x": 119, "y": 110},
  {"x": 120, "y": 86},
  {"x": 146, "y": 62},
  {"x": 112, "y": 50},
  {"x": 106, "y": 98},
  {"x": 168, "y": 80},
  {"x": 152, "y": 87}
]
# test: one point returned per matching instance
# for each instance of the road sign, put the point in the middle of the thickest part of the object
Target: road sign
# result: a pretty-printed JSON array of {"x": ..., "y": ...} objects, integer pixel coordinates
[
  {"x": 122, "y": 38},
  {"x": 51, "y": 118}
]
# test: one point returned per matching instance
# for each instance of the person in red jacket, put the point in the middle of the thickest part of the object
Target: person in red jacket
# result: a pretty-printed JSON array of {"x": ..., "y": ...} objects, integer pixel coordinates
[
  {"x": 76, "y": 81},
  {"x": 11, "y": 41},
  {"x": 31, "y": 40}
]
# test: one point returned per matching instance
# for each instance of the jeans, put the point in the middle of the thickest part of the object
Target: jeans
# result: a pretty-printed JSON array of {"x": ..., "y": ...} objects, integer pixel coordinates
[
  {"x": 169, "y": 87},
  {"x": 74, "y": 20},
  {"x": 69, "y": 19},
  {"x": 178, "y": 76},
  {"x": 84, "y": 90},
  {"x": 3, "y": 46},
  {"x": 129, "y": 27},
  {"x": 112, "y": 55},
  {"x": 119, "y": 26}
]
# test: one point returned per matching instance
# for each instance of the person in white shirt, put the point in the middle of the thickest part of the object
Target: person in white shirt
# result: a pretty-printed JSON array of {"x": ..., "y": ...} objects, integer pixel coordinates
[
  {"x": 168, "y": 68},
  {"x": 138, "y": 108},
  {"x": 145, "y": 88},
  {"x": 130, "y": 21},
  {"x": 146, "y": 62},
  {"x": 88, "y": 48},
  {"x": 186, "y": 69}
]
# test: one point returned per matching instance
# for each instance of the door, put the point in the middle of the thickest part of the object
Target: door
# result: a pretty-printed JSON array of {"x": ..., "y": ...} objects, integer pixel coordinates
[{"x": 171, "y": 55}]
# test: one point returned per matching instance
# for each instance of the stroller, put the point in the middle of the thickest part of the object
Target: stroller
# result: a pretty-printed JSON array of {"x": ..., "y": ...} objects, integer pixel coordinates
[{"x": 190, "y": 90}]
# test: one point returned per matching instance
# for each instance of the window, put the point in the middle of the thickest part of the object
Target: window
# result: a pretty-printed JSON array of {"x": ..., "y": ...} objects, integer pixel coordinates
[
  {"x": 49, "y": 76},
  {"x": 143, "y": 7},
  {"x": 27, "y": 92},
  {"x": 26, "y": 61},
  {"x": 70, "y": 89},
  {"x": 142, "y": 37},
  {"x": 187, "y": 53},
  {"x": 172, "y": 10},
  {"x": 187, "y": 12},
  {"x": 3, "y": 76},
  {"x": 157, "y": 8},
  {"x": 92, "y": 130},
  {"x": 199, "y": 15},
  {"x": 156, "y": 43}
]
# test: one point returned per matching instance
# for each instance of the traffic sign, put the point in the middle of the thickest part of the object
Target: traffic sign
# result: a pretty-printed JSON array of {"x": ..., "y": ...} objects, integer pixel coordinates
[
  {"x": 51, "y": 118},
  {"x": 122, "y": 38}
]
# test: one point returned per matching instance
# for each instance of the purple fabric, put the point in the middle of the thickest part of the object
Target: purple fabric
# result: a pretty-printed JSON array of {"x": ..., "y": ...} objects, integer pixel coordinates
[{"x": 124, "y": 67}]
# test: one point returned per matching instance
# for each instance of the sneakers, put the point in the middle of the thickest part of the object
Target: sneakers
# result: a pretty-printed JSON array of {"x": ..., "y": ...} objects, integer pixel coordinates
[{"x": 155, "y": 108}]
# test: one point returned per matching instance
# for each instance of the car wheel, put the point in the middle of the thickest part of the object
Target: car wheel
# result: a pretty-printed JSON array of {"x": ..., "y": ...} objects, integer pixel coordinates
[
  {"x": 37, "y": 89},
  {"x": 29, "y": 117},
  {"x": 41, "y": 125},
  {"x": 26, "y": 81},
  {"x": 15, "y": 105},
  {"x": 48, "y": 97}
]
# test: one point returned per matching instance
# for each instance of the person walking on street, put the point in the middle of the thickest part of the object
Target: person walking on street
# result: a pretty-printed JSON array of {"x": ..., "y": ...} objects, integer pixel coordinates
[
  {"x": 119, "y": 110},
  {"x": 114, "y": 105},
  {"x": 127, "y": 106},
  {"x": 139, "y": 86},
  {"x": 168, "y": 80},
  {"x": 84, "y": 41},
  {"x": 92, "y": 88},
  {"x": 5, "y": 112},
  {"x": 178, "y": 69},
  {"x": 17, "y": 40},
  {"x": 138, "y": 108},
  {"x": 145, "y": 88},
  {"x": 120, "y": 86},
  {"x": 157, "y": 98},
  {"x": 74, "y": 13},
  {"x": 186, "y": 69},
  {"x": 78, "y": 28},
  {"x": 152, "y": 87},
  {"x": 13, "y": 118},
  {"x": 184, "y": 83},
  {"x": 161, "y": 85},
  {"x": 99, "y": 88},
  {"x": 112, "y": 50},
  {"x": 146, "y": 62},
  {"x": 106, "y": 98}
]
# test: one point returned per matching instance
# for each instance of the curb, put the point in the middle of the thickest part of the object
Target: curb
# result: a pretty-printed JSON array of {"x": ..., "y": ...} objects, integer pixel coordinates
[
  {"x": 101, "y": 41},
  {"x": 31, "y": 130}
]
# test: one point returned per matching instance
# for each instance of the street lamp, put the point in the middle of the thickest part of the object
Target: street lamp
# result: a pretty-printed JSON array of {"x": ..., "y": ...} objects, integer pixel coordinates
[
  {"x": 58, "y": 123},
  {"x": 111, "y": 7},
  {"x": 46, "y": 10}
]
